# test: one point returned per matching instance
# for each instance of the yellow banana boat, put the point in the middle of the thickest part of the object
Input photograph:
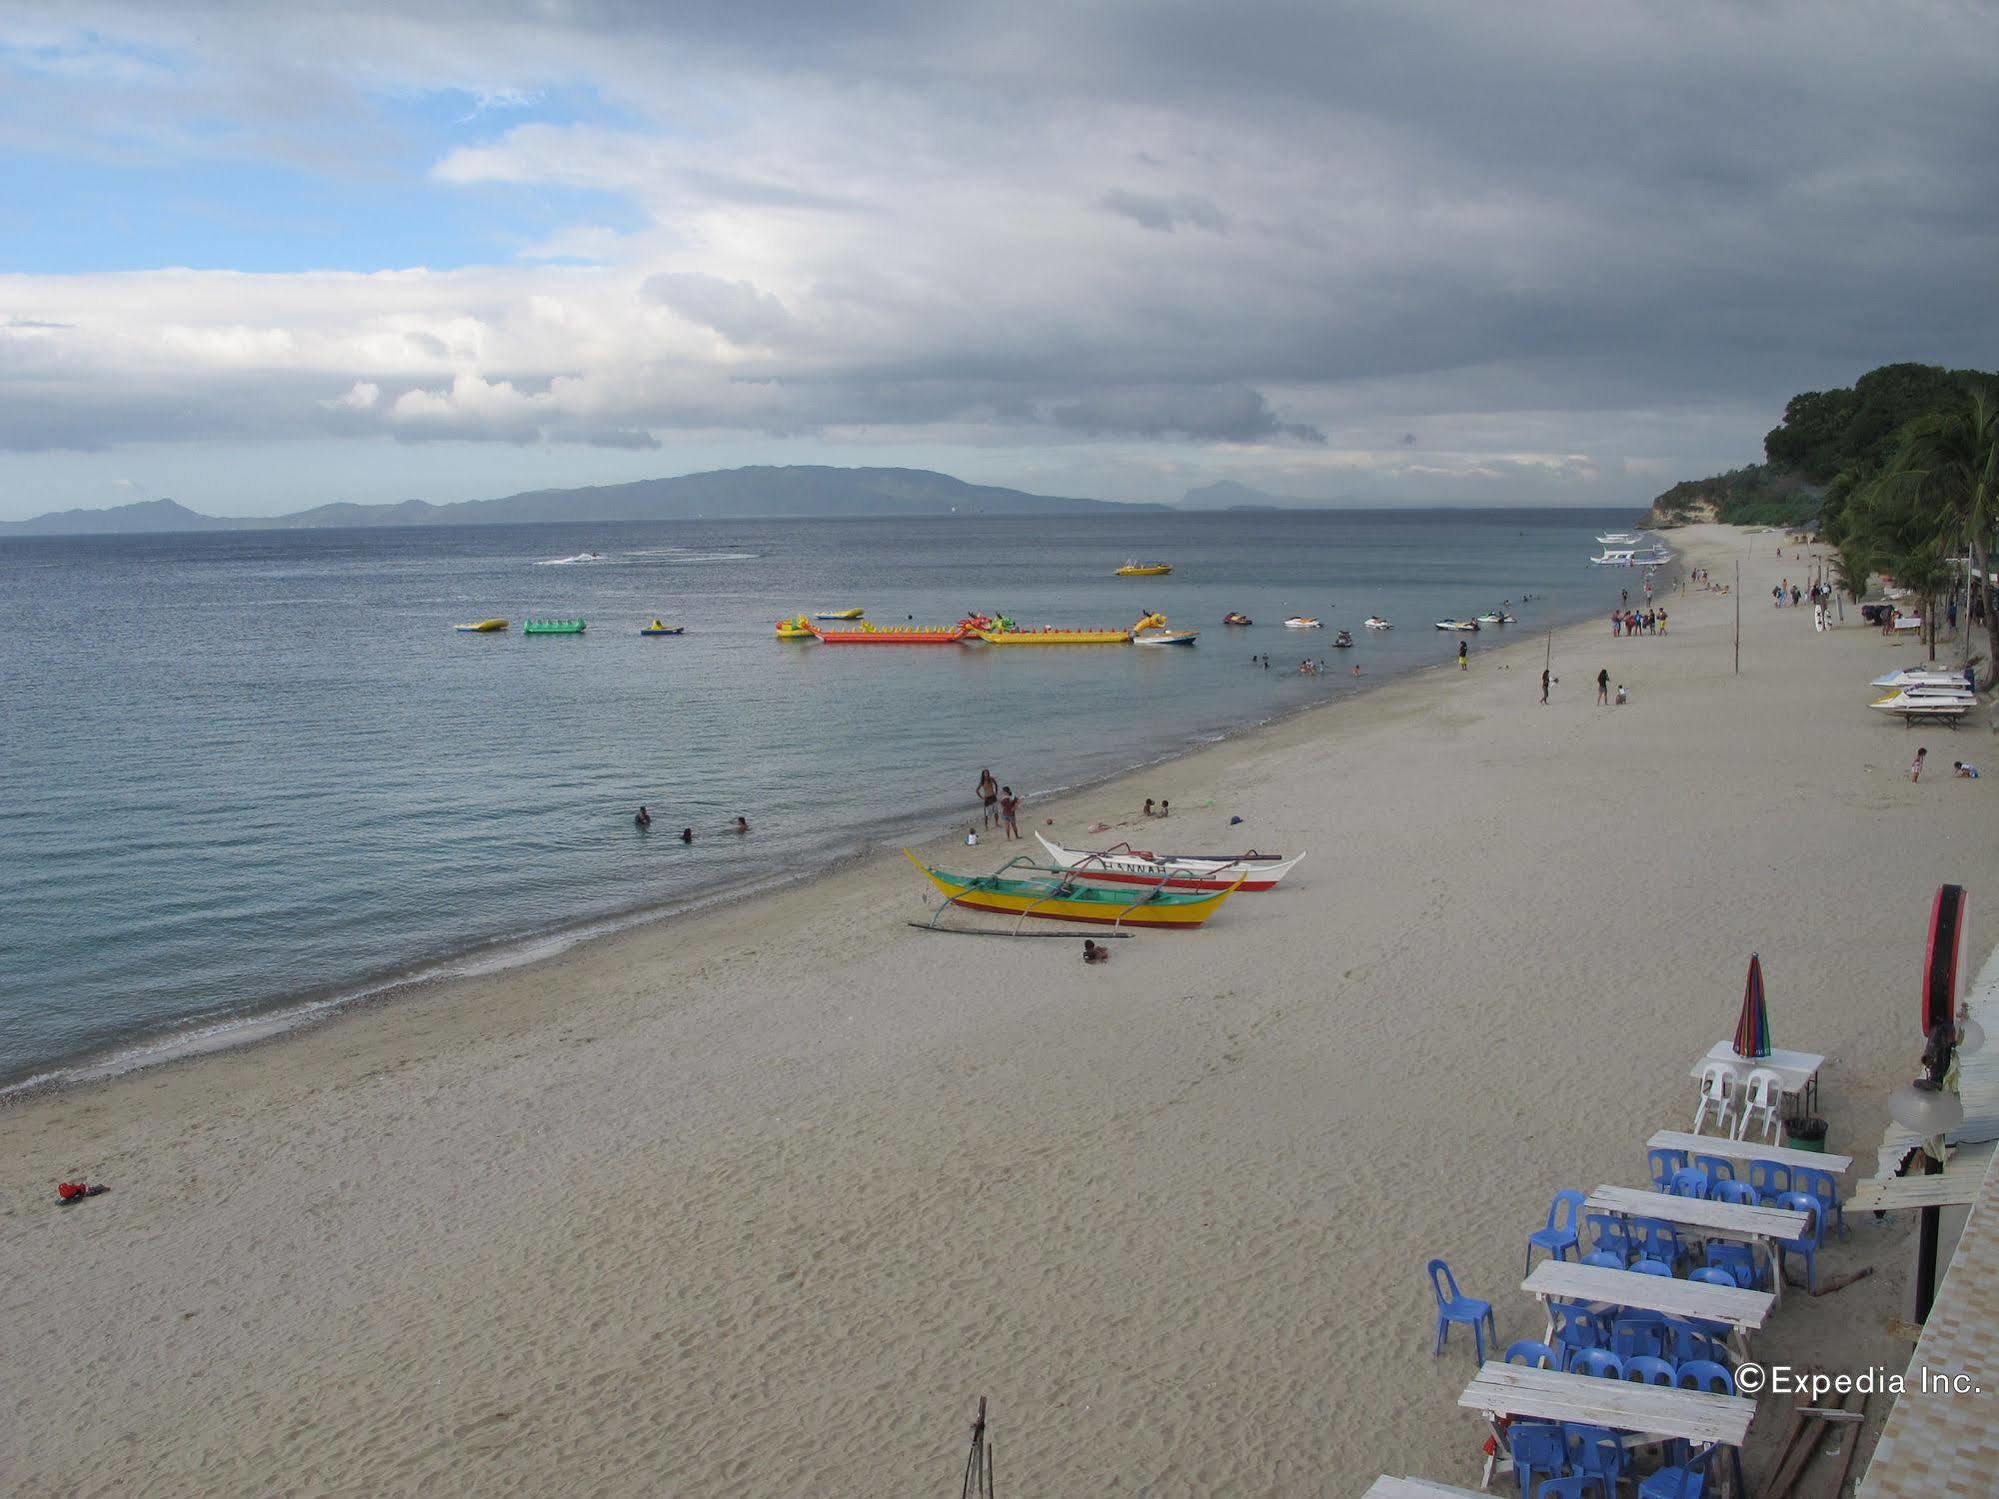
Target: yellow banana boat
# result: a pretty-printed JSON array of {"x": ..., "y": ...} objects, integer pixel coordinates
[
  {"x": 481, "y": 627},
  {"x": 795, "y": 629},
  {"x": 1049, "y": 635}
]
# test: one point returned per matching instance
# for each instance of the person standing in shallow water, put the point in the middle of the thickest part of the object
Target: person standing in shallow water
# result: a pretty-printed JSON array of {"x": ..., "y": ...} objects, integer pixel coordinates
[
  {"x": 989, "y": 796},
  {"x": 1464, "y": 651}
]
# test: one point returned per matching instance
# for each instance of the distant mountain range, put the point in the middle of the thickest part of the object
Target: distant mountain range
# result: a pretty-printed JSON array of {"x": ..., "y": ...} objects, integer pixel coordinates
[{"x": 732, "y": 494}]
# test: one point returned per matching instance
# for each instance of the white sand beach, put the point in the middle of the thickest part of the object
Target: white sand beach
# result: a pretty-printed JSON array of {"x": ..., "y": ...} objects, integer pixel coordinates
[{"x": 761, "y": 1200}]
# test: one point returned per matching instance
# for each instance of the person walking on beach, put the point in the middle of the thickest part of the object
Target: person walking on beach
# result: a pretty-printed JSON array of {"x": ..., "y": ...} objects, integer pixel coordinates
[
  {"x": 1616, "y": 623},
  {"x": 1009, "y": 807},
  {"x": 1916, "y": 765},
  {"x": 989, "y": 797},
  {"x": 1464, "y": 652},
  {"x": 1603, "y": 685},
  {"x": 1544, "y": 686}
]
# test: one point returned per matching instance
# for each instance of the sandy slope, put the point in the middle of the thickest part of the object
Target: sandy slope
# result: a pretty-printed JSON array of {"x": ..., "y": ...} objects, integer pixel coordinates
[{"x": 759, "y": 1201}]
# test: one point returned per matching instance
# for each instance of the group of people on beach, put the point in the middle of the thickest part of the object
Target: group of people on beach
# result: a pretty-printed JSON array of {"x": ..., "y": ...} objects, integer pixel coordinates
[
  {"x": 1636, "y": 622},
  {"x": 642, "y": 819},
  {"x": 999, "y": 806},
  {"x": 1961, "y": 770}
]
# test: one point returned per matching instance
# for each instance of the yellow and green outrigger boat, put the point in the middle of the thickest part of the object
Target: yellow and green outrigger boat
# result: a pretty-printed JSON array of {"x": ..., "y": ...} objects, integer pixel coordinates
[{"x": 1058, "y": 895}]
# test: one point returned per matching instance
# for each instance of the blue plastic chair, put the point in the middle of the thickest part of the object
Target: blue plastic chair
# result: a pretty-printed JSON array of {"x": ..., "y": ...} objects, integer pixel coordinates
[
  {"x": 1690, "y": 1182},
  {"x": 1664, "y": 1163},
  {"x": 1639, "y": 1335},
  {"x": 1825, "y": 1187},
  {"x": 1811, "y": 1241},
  {"x": 1694, "y": 1341},
  {"x": 1585, "y": 1486},
  {"x": 1598, "y": 1363},
  {"x": 1655, "y": 1239},
  {"x": 1607, "y": 1233},
  {"x": 1719, "y": 1168},
  {"x": 1537, "y": 1448},
  {"x": 1739, "y": 1260},
  {"x": 1452, "y": 1306},
  {"x": 1534, "y": 1355},
  {"x": 1740, "y": 1193},
  {"x": 1707, "y": 1275},
  {"x": 1577, "y": 1325},
  {"x": 1560, "y": 1236},
  {"x": 1768, "y": 1177},
  {"x": 1643, "y": 1370},
  {"x": 1603, "y": 1259},
  {"x": 1593, "y": 1450},
  {"x": 1687, "y": 1481},
  {"x": 1710, "y": 1375},
  {"x": 1652, "y": 1267}
]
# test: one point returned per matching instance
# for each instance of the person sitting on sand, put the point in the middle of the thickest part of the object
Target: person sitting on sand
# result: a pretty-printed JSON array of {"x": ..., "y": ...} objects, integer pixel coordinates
[
  {"x": 1148, "y": 808},
  {"x": 643, "y": 818},
  {"x": 1095, "y": 952},
  {"x": 971, "y": 837},
  {"x": 1621, "y": 698},
  {"x": 1165, "y": 809},
  {"x": 742, "y": 824},
  {"x": 1964, "y": 770},
  {"x": 687, "y": 835}
]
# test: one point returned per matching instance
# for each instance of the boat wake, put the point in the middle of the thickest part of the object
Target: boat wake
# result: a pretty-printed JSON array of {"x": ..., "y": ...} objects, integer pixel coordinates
[{"x": 566, "y": 561}]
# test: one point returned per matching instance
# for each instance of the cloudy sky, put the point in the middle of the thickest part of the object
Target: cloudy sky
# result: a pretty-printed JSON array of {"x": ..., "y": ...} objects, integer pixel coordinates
[{"x": 260, "y": 256}]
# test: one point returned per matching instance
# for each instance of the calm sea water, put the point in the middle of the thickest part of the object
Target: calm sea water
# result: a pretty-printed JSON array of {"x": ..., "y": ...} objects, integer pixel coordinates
[{"x": 246, "y": 774}]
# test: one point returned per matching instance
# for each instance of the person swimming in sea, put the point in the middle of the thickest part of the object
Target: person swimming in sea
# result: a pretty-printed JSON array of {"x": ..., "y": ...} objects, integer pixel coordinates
[
  {"x": 742, "y": 824},
  {"x": 687, "y": 835},
  {"x": 643, "y": 818}
]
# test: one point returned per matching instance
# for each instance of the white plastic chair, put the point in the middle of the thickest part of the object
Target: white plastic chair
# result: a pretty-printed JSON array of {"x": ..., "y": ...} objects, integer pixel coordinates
[
  {"x": 1718, "y": 1081},
  {"x": 1762, "y": 1092}
]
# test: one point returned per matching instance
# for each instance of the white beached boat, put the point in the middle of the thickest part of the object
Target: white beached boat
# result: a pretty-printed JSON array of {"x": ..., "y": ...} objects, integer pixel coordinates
[
  {"x": 1921, "y": 708},
  {"x": 1125, "y": 865},
  {"x": 1912, "y": 676}
]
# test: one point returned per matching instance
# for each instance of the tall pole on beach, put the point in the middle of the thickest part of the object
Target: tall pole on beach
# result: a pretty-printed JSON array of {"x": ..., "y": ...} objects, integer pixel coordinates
[{"x": 1738, "y": 616}]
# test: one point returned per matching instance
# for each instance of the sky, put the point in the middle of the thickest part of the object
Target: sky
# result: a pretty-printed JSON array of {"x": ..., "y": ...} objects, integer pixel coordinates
[{"x": 260, "y": 257}]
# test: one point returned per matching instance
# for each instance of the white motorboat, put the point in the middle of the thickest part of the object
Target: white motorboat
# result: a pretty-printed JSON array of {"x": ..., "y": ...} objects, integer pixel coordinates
[
  {"x": 1162, "y": 636},
  {"x": 1302, "y": 622},
  {"x": 1376, "y": 622},
  {"x": 1920, "y": 707},
  {"x": 1496, "y": 618},
  {"x": 1469, "y": 626},
  {"x": 1124, "y": 865}
]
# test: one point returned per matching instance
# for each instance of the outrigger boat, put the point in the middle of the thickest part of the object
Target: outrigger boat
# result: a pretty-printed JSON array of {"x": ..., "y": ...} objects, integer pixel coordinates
[
  {"x": 659, "y": 628},
  {"x": 1023, "y": 888},
  {"x": 1124, "y": 865},
  {"x": 841, "y": 614},
  {"x": 481, "y": 627},
  {"x": 1144, "y": 570}
]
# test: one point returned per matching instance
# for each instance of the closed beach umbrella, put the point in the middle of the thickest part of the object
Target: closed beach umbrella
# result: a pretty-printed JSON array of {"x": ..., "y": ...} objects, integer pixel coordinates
[{"x": 1752, "y": 1030}]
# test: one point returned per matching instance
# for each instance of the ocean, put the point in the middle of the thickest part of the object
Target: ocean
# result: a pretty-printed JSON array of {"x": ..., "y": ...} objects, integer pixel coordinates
[{"x": 248, "y": 776}]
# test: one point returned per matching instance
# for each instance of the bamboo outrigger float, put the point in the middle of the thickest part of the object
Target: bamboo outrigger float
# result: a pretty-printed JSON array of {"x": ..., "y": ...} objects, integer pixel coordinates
[{"x": 1056, "y": 895}]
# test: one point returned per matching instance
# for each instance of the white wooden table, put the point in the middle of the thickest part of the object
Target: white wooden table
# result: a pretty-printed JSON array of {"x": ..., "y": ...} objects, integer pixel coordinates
[
  {"x": 1653, "y": 1411},
  {"x": 1561, "y": 1280},
  {"x": 1748, "y": 1150},
  {"x": 1385, "y": 1487},
  {"x": 1798, "y": 1069},
  {"x": 1758, "y": 1227}
]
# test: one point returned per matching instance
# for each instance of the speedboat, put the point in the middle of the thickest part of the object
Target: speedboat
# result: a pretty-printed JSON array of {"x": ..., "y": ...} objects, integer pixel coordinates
[
  {"x": 1233, "y": 618},
  {"x": 1918, "y": 707},
  {"x": 1495, "y": 617},
  {"x": 1302, "y": 622},
  {"x": 1376, "y": 622},
  {"x": 657, "y": 627},
  {"x": 840, "y": 614},
  {"x": 1468, "y": 626},
  {"x": 1342, "y": 641},
  {"x": 1152, "y": 631},
  {"x": 1144, "y": 570},
  {"x": 481, "y": 627}
]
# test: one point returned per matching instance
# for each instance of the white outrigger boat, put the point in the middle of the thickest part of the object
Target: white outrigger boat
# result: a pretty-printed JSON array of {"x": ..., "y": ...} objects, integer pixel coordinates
[
  {"x": 1376, "y": 622},
  {"x": 1918, "y": 707},
  {"x": 1632, "y": 557},
  {"x": 1122, "y": 864},
  {"x": 1620, "y": 539}
]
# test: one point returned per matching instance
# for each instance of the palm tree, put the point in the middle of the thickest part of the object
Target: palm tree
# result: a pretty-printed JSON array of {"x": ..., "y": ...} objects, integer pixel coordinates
[
  {"x": 1850, "y": 566},
  {"x": 1927, "y": 573},
  {"x": 1948, "y": 463}
]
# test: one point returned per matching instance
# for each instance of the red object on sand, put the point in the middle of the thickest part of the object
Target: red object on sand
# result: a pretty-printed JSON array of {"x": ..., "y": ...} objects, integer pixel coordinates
[{"x": 68, "y": 1191}]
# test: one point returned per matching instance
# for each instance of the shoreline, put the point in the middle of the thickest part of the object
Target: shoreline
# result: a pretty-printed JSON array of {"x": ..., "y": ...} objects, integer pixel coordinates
[
  {"x": 262, "y": 1023},
  {"x": 767, "y": 1196}
]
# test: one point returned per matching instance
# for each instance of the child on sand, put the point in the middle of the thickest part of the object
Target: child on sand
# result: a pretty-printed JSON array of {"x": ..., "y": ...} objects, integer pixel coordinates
[
  {"x": 1009, "y": 809},
  {"x": 1095, "y": 952},
  {"x": 1964, "y": 770},
  {"x": 1916, "y": 765}
]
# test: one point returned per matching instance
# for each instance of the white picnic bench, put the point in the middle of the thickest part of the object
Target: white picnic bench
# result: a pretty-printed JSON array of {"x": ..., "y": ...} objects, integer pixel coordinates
[
  {"x": 1748, "y": 1150},
  {"x": 1563, "y": 1280},
  {"x": 1386, "y": 1487},
  {"x": 1654, "y": 1412},
  {"x": 1798, "y": 1069},
  {"x": 1759, "y": 1227}
]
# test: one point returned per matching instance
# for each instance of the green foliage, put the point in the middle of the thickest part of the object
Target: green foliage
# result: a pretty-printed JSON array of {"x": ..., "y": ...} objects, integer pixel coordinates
[
  {"x": 1851, "y": 565},
  {"x": 1759, "y": 495}
]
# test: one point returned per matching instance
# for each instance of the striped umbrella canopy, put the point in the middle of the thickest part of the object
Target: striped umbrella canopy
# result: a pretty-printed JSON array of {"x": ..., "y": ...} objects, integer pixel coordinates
[{"x": 1752, "y": 1030}]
